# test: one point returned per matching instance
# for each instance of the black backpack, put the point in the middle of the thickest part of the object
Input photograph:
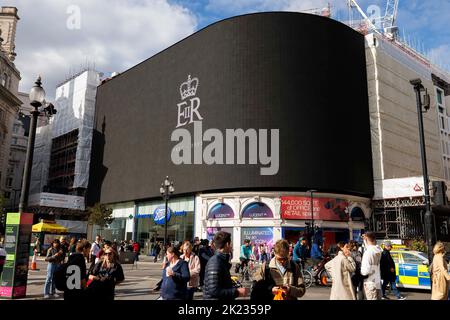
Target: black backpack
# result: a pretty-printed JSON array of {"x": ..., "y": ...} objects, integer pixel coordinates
[
  {"x": 60, "y": 277},
  {"x": 260, "y": 289}
]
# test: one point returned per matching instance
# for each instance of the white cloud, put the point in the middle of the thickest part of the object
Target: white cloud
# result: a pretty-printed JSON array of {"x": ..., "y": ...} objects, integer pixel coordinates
[{"x": 115, "y": 34}]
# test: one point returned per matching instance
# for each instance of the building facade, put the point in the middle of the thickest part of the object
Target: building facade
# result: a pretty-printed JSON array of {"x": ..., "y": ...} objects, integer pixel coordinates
[
  {"x": 9, "y": 100},
  {"x": 239, "y": 126},
  {"x": 398, "y": 202}
]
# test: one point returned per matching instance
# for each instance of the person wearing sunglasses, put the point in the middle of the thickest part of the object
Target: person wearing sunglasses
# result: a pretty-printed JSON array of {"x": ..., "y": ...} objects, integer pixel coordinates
[
  {"x": 106, "y": 274},
  {"x": 280, "y": 275}
]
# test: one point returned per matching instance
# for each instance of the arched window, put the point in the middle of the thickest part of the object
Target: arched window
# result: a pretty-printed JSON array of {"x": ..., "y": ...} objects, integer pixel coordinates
[
  {"x": 357, "y": 214},
  {"x": 4, "y": 79},
  {"x": 257, "y": 210},
  {"x": 221, "y": 211}
]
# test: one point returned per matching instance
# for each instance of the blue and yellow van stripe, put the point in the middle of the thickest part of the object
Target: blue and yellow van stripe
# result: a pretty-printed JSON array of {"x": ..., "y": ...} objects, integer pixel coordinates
[{"x": 413, "y": 274}]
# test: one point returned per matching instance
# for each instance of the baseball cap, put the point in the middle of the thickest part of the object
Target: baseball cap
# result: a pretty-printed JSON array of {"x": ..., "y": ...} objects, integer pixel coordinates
[{"x": 387, "y": 243}]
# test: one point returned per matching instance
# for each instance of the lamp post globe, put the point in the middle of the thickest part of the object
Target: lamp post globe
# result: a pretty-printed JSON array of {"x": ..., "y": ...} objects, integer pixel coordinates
[{"x": 37, "y": 94}]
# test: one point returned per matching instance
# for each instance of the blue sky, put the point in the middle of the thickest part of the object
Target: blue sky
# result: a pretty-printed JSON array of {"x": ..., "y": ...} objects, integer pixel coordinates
[
  {"x": 118, "y": 34},
  {"x": 424, "y": 22}
]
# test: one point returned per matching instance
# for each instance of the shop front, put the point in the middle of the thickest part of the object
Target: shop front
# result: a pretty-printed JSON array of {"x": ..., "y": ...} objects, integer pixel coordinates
[
  {"x": 150, "y": 220},
  {"x": 269, "y": 216}
]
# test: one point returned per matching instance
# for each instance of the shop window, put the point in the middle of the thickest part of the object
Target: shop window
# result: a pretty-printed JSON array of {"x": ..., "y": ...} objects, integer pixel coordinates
[
  {"x": 257, "y": 210},
  {"x": 221, "y": 211}
]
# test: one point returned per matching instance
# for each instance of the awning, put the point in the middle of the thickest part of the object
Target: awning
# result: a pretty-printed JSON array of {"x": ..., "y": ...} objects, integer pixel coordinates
[{"x": 49, "y": 227}]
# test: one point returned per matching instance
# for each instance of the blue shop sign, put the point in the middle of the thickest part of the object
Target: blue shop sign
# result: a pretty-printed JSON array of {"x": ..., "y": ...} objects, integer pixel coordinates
[{"x": 159, "y": 213}]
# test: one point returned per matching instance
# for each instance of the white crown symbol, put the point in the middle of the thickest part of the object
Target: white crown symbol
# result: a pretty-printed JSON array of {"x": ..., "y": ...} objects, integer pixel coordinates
[{"x": 188, "y": 88}]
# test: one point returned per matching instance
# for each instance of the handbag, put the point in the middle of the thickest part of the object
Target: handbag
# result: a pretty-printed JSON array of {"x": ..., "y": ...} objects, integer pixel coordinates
[{"x": 280, "y": 295}]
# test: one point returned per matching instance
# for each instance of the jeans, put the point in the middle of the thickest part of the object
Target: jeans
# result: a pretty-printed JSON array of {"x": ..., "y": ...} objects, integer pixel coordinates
[
  {"x": 190, "y": 293},
  {"x": 393, "y": 287},
  {"x": 49, "y": 283}
]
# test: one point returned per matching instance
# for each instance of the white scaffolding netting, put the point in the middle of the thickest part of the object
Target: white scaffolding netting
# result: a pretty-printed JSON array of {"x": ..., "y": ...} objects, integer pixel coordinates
[
  {"x": 75, "y": 105},
  {"x": 41, "y": 158}
]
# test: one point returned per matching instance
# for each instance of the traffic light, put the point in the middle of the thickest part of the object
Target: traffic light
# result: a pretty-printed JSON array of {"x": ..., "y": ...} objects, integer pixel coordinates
[{"x": 439, "y": 195}]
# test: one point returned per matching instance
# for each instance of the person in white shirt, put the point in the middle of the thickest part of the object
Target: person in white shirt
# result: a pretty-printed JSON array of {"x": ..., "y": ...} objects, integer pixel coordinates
[
  {"x": 96, "y": 247},
  {"x": 370, "y": 267}
]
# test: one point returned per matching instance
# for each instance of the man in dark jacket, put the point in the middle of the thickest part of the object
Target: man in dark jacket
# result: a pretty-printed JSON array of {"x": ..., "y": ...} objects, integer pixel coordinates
[
  {"x": 217, "y": 283},
  {"x": 205, "y": 253},
  {"x": 387, "y": 269}
]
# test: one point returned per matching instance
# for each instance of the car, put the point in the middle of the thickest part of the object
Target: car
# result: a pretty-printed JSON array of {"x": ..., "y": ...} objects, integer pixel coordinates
[{"x": 411, "y": 268}]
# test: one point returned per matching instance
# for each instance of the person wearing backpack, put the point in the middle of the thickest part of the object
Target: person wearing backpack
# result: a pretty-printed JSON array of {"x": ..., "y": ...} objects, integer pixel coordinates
[
  {"x": 280, "y": 278},
  {"x": 82, "y": 250}
]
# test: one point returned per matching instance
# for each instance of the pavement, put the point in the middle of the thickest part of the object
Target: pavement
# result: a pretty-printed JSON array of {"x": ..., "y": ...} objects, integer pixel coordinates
[{"x": 140, "y": 279}]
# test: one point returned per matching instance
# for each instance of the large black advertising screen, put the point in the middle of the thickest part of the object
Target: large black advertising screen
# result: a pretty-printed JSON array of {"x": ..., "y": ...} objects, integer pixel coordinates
[{"x": 264, "y": 101}]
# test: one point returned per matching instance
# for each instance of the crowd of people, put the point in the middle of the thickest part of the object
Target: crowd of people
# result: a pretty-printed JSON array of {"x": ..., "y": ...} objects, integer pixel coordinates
[
  {"x": 366, "y": 272},
  {"x": 99, "y": 280},
  {"x": 358, "y": 272}
]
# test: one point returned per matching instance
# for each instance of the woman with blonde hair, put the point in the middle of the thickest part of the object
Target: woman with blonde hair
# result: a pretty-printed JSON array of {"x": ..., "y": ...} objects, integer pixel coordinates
[
  {"x": 439, "y": 274},
  {"x": 194, "y": 268}
]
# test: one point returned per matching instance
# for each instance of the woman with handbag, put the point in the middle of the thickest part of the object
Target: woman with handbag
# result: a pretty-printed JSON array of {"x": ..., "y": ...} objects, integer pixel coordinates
[{"x": 107, "y": 273}]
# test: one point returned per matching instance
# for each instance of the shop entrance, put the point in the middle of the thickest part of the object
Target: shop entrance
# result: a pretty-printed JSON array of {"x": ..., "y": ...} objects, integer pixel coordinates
[
  {"x": 292, "y": 234},
  {"x": 332, "y": 236}
]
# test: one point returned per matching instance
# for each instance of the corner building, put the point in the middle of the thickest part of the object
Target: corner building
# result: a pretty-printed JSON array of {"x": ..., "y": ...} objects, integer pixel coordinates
[{"x": 245, "y": 116}]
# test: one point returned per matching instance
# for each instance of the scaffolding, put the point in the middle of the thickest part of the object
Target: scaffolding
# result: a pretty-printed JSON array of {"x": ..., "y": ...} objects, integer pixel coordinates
[
  {"x": 398, "y": 218},
  {"x": 62, "y": 162}
]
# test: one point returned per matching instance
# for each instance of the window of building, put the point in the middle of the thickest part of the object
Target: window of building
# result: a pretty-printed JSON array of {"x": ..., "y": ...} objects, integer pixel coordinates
[
  {"x": 14, "y": 140},
  {"x": 257, "y": 210},
  {"x": 4, "y": 79},
  {"x": 439, "y": 96},
  {"x": 221, "y": 211},
  {"x": 9, "y": 182},
  {"x": 16, "y": 129},
  {"x": 7, "y": 194}
]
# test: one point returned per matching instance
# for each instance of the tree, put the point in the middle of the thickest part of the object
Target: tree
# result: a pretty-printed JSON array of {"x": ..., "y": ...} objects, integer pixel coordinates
[
  {"x": 100, "y": 215},
  {"x": 418, "y": 245}
]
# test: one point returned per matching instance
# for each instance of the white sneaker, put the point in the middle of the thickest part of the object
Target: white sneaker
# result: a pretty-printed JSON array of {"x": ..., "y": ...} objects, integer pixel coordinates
[
  {"x": 55, "y": 295},
  {"x": 46, "y": 296}
]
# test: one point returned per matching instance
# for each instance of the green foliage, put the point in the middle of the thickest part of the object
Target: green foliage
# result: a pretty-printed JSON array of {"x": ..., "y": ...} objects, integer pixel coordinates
[
  {"x": 100, "y": 215},
  {"x": 418, "y": 245}
]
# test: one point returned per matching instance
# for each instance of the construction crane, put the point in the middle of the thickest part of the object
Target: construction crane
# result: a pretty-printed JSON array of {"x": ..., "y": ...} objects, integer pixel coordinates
[
  {"x": 387, "y": 22},
  {"x": 390, "y": 16},
  {"x": 391, "y": 13}
]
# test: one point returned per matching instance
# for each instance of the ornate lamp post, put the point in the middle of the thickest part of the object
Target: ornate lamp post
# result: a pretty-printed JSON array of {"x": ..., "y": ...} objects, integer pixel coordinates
[
  {"x": 37, "y": 98},
  {"x": 430, "y": 231},
  {"x": 166, "y": 190}
]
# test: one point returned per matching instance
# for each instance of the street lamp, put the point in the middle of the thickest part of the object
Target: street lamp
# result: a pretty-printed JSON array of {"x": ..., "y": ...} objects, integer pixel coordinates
[
  {"x": 429, "y": 216},
  {"x": 312, "y": 211},
  {"x": 166, "y": 190},
  {"x": 37, "y": 98}
]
